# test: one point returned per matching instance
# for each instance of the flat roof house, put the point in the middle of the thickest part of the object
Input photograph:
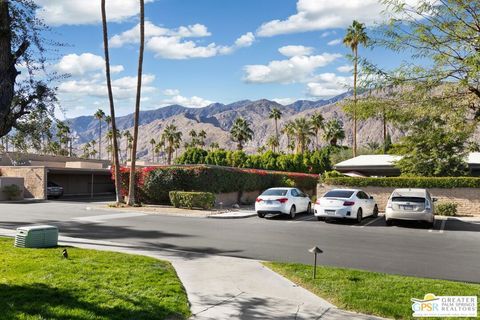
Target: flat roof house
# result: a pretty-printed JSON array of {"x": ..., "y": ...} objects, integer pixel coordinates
[{"x": 382, "y": 165}]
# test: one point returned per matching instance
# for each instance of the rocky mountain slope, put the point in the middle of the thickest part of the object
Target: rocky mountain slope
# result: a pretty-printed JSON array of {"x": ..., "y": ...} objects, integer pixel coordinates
[{"x": 217, "y": 119}]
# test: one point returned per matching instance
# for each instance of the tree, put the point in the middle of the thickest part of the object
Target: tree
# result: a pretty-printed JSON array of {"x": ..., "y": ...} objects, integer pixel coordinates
[
  {"x": 22, "y": 44},
  {"x": 118, "y": 182},
  {"x": 275, "y": 114},
  {"x": 354, "y": 37},
  {"x": 289, "y": 132},
  {"x": 317, "y": 124},
  {"x": 131, "y": 189},
  {"x": 214, "y": 146},
  {"x": 202, "y": 135},
  {"x": 241, "y": 132},
  {"x": 333, "y": 132},
  {"x": 128, "y": 145},
  {"x": 272, "y": 143},
  {"x": 158, "y": 148},
  {"x": 86, "y": 150},
  {"x": 99, "y": 115},
  {"x": 303, "y": 131},
  {"x": 172, "y": 138},
  {"x": 193, "y": 143},
  {"x": 152, "y": 144},
  {"x": 63, "y": 135}
]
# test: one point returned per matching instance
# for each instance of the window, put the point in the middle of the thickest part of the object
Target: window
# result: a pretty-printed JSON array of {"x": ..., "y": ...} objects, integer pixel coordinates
[
  {"x": 275, "y": 192},
  {"x": 294, "y": 193},
  {"x": 338, "y": 194},
  {"x": 362, "y": 195}
]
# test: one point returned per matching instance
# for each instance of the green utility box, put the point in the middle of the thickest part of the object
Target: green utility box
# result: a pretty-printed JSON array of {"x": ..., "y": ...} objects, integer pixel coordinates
[{"x": 42, "y": 236}]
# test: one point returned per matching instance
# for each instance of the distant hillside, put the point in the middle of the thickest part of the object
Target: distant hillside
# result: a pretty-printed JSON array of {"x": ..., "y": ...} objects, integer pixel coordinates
[{"x": 216, "y": 119}]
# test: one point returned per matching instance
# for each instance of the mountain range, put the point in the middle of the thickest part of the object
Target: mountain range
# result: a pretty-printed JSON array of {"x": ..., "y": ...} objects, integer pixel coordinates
[{"x": 217, "y": 118}]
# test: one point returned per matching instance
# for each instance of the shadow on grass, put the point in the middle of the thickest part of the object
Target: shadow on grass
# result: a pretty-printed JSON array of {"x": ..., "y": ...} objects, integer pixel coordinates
[{"x": 46, "y": 302}]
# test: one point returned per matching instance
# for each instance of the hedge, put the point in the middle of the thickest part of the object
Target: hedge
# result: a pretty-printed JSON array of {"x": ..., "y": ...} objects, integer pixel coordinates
[
  {"x": 184, "y": 199},
  {"x": 155, "y": 183},
  {"x": 446, "y": 209},
  {"x": 405, "y": 182}
]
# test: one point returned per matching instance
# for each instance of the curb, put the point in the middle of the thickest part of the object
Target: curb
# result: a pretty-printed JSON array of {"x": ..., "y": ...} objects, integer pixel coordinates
[{"x": 219, "y": 216}]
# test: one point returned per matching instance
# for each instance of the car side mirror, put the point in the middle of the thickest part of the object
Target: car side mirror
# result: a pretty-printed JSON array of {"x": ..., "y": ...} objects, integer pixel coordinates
[
  {"x": 371, "y": 197},
  {"x": 435, "y": 199}
]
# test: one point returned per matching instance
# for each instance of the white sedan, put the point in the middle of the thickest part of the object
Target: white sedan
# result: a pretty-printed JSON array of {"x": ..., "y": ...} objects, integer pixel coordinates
[
  {"x": 346, "y": 204},
  {"x": 282, "y": 201}
]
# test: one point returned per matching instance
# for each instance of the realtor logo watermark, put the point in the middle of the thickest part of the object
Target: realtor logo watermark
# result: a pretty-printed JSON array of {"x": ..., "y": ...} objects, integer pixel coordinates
[{"x": 445, "y": 306}]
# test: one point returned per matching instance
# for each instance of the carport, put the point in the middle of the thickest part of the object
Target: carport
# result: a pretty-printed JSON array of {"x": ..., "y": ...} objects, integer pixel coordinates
[{"x": 82, "y": 181}]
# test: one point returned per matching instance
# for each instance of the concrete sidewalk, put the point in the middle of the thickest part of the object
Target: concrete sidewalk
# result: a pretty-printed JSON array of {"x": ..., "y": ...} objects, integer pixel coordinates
[{"x": 229, "y": 288}]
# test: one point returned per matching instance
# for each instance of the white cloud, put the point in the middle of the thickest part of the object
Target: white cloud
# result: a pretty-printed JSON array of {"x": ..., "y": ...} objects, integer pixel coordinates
[
  {"x": 174, "y": 97},
  {"x": 291, "y": 51},
  {"x": 245, "y": 40},
  {"x": 295, "y": 69},
  {"x": 325, "y": 14},
  {"x": 284, "y": 101},
  {"x": 175, "y": 48},
  {"x": 345, "y": 68},
  {"x": 334, "y": 42},
  {"x": 75, "y": 12},
  {"x": 328, "y": 85},
  {"x": 78, "y": 65}
]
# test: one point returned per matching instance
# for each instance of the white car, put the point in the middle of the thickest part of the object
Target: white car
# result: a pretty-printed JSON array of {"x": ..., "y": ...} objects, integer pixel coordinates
[
  {"x": 410, "y": 204},
  {"x": 345, "y": 204},
  {"x": 282, "y": 201}
]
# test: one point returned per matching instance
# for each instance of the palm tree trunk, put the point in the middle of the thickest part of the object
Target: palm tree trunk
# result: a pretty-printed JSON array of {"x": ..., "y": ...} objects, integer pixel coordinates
[
  {"x": 118, "y": 182},
  {"x": 99, "y": 138},
  {"x": 384, "y": 131},
  {"x": 355, "y": 103},
  {"x": 276, "y": 133},
  {"x": 131, "y": 189}
]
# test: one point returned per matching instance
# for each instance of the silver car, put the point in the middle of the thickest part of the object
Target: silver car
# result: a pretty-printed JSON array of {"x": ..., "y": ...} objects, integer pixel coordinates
[{"x": 410, "y": 204}]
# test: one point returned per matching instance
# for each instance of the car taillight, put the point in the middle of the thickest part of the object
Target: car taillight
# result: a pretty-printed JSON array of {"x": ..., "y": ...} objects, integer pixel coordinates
[
  {"x": 282, "y": 200},
  {"x": 259, "y": 200},
  {"x": 318, "y": 201},
  {"x": 389, "y": 204},
  {"x": 348, "y": 203}
]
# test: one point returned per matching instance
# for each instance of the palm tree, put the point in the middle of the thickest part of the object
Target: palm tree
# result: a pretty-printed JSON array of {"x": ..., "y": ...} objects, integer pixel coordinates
[
  {"x": 303, "y": 130},
  {"x": 152, "y": 143},
  {"x": 99, "y": 115},
  {"x": 355, "y": 36},
  {"x": 109, "y": 139},
  {"x": 214, "y": 146},
  {"x": 86, "y": 150},
  {"x": 272, "y": 143},
  {"x": 288, "y": 131},
  {"x": 202, "y": 135},
  {"x": 317, "y": 124},
  {"x": 241, "y": 132},
  {"x": 333, "y": 132},
  {"x": 128, "y": 146},
  {"x": 193, "y": 135},
  {"x": 118, "y": 182},
  {"x": 131, "y": 187},
  {"x": 275, "y": 114},
  {"x": 172, "y": 138},
  {"x": 159, "y": 147}
]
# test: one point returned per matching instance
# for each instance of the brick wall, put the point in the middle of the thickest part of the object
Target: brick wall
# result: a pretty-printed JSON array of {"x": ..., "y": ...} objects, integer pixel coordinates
[
  {"x": 35, "y": 179},
  {"x": 467, "y": 199}
]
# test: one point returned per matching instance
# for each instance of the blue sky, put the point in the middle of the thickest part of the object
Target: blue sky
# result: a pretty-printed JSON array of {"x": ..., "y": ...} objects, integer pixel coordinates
[{"x": 203, "y": 51}]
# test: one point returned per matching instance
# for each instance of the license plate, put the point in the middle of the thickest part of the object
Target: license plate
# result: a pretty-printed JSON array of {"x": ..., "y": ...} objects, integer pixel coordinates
[
  {"x": 409, "y": 208},
  {"x": 269, "y": 202},
  {"x": 330, "y": 211}
]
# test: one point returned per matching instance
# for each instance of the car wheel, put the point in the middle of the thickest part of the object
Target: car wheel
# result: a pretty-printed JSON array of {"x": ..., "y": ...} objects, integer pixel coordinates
[
  {"x": 375, "y": 211},
  {"x": 261, "y": 215},
  {"x": 309, "y": 208},
  {"x": 320, "y": 218},
  {"x": 359, "y": 215},
  {"x": 292, "y": 212}
]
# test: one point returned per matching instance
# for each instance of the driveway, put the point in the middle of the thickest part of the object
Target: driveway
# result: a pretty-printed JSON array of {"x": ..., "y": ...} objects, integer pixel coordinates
[{"x": 448, "y": 251}]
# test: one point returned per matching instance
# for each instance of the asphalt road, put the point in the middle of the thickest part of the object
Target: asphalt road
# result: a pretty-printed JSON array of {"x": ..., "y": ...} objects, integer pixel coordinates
[{"x": 451, "y": 250}]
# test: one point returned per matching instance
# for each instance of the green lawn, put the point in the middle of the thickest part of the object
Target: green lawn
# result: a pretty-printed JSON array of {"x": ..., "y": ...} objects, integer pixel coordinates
[
  {"x": 39, "y": 284},
  {"x": 370, "y": 292}
]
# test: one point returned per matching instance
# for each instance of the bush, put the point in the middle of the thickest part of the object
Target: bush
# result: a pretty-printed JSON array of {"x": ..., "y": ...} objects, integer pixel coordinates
[
  {"x": 12, "y": 191},
  {"x": 406, "y": 182},
  {"x": 446, "y": 209},
  {"x": 183, "y": 199}
]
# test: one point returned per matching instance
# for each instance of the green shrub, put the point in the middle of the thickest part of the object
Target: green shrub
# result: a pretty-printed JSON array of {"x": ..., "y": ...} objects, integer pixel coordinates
[
  {"x": 183, "y": 199},
  {"x": 332, "y": 174},
  {"x": 12, "y": 191},
  {"x": 446, "y": 209},
  {"x": 406, "y": 182}
]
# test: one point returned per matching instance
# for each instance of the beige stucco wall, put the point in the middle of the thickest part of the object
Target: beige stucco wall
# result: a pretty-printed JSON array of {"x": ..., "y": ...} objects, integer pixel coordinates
[
  {"x": 8, "y": 181},
  {"x": 467, "y": 199},
  {"x": 34, "y": 179}
]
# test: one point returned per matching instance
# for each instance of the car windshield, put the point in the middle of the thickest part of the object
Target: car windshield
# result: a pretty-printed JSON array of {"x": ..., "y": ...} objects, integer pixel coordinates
[
  {"x": 408, "y": 199},
  {"x": 52, "y": 184},
  {"x": 338, "y": 194},
  {"x": 275, "y": 192}
]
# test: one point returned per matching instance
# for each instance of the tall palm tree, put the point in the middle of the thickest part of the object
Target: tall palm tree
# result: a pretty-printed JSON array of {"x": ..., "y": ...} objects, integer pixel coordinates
[
  {"x": 109, "y": 139},
  {"x": 99, "y": 115},
  {"x": 288, "y": 131},
  {"x": 303, "y": 131},
  {"x": 193, "y": 135},
  {"x": 131, "y": 187},
  {"x": 317, "y": 124},
  {"x": 118, "y": 182},
  {"x": 158, "y": 148},
  {"x": 272, "y": 143},
  {"x": 354, "y": 37},
  {"x": 172, "y": 138},
  {"x": 128, "y": 146},
  {"x": 152, "y": 143},
  {"x": 202, "y": 135},
  {"x": 276, "y": 114},
  {"x": 333, "y": 132},
  {"x": 86, "y": 150},
  {"x": 241, "y": 132}
]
